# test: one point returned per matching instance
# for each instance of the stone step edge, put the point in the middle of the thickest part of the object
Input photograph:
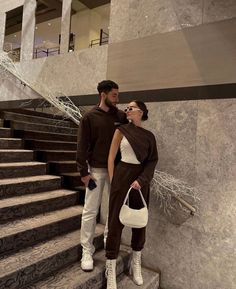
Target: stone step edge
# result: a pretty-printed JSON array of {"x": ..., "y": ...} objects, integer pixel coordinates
[
  {"x": 43, "y": 132},
  {"x": 33, "y": 116},
  {"x": 49, "y": 141},
  {"x": 73, "y": 276},
  {"x": 35, "y": 113},
  {"x": 22, "y": 164},
  {"x": 42, "y": 251},
  {"x": 17, "y": 180},
  {"x": 10, "y": 122},
  {"x": 38, "y": 221},
  {"x": 33, "y": 198}
]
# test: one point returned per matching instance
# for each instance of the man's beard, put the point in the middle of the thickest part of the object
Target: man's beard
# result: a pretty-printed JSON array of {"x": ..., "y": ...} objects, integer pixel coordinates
[{"x": 109, "y": 103}]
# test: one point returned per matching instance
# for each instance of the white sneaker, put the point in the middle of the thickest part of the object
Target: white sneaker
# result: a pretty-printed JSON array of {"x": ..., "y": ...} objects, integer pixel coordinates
[{"x": 87, "y": 262}]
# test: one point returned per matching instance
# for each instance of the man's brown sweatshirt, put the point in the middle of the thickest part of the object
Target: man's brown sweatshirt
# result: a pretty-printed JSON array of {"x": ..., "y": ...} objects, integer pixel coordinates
[{"x": 95, "y": 134}]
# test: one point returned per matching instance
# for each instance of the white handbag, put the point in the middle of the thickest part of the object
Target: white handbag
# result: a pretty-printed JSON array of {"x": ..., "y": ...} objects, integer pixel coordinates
[{"x": 134, "y": 218}]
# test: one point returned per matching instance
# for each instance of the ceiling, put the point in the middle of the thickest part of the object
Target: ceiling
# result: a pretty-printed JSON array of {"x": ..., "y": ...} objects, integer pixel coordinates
[
  {"x": 94, "y": 3},
  {"x": 47, "y": 10}
]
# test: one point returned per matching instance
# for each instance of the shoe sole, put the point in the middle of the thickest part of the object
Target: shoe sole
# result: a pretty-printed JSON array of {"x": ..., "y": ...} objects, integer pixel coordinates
[{"x": 87, "y": 270}]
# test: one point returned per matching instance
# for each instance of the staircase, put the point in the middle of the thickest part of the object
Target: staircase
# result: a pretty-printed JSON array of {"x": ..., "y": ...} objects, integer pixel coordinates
[{"x": 41, "y": 202}]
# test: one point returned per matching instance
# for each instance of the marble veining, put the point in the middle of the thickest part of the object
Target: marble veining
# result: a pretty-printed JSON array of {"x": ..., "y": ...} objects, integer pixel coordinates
[{"x": 131, "y": 19}]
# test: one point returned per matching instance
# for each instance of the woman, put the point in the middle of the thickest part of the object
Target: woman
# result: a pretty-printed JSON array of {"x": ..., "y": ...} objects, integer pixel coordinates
[{"x": 138, "y": 160}]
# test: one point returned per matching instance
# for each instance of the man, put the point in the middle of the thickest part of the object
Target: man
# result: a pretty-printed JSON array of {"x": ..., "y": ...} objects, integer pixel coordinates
[{"x": 94, "y": 138}]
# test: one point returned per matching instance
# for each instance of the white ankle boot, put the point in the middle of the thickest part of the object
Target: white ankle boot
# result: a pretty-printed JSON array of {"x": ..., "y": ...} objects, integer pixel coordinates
[
  {"x": 135, "y": 268},
  {"x": 111, "y": 274}
]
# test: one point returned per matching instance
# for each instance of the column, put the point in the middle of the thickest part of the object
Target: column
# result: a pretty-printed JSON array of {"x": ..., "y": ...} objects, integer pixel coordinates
[
  {"x": 2, "y": 29},
  {"x": 28, "y": 30},
  {"x": 65, "y": 26}
]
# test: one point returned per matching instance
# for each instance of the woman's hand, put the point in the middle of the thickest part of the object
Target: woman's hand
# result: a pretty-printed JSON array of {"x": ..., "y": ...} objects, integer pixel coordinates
[{"x": 135, "y": 185}]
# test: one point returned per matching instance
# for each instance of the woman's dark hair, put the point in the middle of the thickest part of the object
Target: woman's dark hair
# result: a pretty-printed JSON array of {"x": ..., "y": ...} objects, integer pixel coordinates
[
  {"x": 106, "y": 86},
  {"x": 143, "y": 107}
]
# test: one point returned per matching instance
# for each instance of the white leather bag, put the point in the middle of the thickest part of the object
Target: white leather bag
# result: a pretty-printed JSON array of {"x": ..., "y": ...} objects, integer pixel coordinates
[{"x": 132, "y": 217}]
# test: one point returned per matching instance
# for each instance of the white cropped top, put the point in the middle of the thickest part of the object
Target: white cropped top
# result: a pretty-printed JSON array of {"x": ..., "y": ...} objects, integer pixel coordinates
[{"x": 127, "y": 152}]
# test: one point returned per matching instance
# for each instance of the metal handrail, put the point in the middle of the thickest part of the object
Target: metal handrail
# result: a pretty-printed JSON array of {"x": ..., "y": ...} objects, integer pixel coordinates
[{"x": 186, "y": 204}]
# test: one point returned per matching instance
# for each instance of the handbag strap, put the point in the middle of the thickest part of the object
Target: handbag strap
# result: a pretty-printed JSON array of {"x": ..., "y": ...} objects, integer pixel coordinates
[{"x": 141, "y": 195}]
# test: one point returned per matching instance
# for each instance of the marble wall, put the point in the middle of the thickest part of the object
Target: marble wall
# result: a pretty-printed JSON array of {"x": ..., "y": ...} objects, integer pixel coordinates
[
  {"x": 6, "y": 5},
  {"x": 74, "y": 73},
  {"x": 131, "y": 19},
  {"x": 13, "y": 89},
  {"x": 196, "y": 143},
  {"x": 199, "y": 55}
]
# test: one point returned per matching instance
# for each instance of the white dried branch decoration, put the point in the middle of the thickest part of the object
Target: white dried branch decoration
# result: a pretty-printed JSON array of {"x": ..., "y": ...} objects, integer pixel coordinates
[
  {"x": 166, "y": 188},
  {"x": 65, "y": 105}
]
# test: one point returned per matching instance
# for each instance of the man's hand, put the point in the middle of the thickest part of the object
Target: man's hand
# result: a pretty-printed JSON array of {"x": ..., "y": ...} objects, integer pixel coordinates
[
  {"x": 86, "y": 179},
  {"x": 135, "y": 185}
]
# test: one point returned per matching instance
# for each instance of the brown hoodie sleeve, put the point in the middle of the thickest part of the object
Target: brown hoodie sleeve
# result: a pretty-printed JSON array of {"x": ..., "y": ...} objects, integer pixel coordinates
[
  {"x": 149, "y": 164},
  {"x": 84, "y": 141}
]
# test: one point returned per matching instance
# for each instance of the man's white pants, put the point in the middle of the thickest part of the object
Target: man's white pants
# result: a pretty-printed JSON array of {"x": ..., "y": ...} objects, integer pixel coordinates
[{"x": 92, "y": 203}]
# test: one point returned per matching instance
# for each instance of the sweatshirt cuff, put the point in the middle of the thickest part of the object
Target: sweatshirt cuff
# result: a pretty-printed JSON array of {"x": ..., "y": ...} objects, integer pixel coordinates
[
  {"x": 141, "y": 182},
  {"x": 84, "y": 173}
]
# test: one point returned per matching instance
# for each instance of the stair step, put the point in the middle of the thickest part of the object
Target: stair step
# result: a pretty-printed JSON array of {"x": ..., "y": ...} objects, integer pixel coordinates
[
  {"x": 151, "y": 280},
  {"x": 1, "y": 122},
  {"x": 5, "y": 132},
  {"x": 14, "y": 155},
  {"x": 60, "y": 167},
  {"x": 74, "y": 277},
  {"x": 36, "y": 113},
  {"x": 49, "y": 145},
  {"x": 8, "y": 115},
  {"x": 21, "y": 169},
  {"x": 72, "y": 180},
  {"x": 53, "y": 155},
  {"x": 27, "y": 232},
  {"x": 31, "y": 134},
  {"x": 40, "y": 127},
  {"x": 10, "y": 143},
  {"x": 81, "y": 190},
  {"x": 42, "y": 260},
  {"x": 33, "y": 204},
  {"x": 28, "y": 185}
]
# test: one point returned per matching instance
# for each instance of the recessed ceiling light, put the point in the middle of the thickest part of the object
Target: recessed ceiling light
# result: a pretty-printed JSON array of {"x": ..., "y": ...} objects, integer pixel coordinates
[
  {"x": 15, "y": 35},
  {"x": 49, "y": 24},
  {"x": 36, "y": 27}
]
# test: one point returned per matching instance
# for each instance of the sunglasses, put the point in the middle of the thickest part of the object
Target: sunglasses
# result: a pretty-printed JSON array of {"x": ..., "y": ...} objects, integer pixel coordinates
[{"x": 130, "y": 108}]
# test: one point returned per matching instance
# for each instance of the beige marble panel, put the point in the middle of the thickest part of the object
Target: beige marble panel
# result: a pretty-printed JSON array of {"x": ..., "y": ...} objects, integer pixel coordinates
[
  {"x": 28, "y": 30},
  {"x": 216, "y": 10},
  {"x": 65, "y": 26},
  {"x": 75, "y": 73},
  {"x": 214, "y": 235},
  {"x": 7, "y": 5},
  {"x": 199, "y": 55},
  {"x": 12, "y": 89},
  {"x": 188, "y": 12},
  {"x": 132, "y": 19},
  {"x": 199, "y": 137},
  {"x": 2, "y": 29}
]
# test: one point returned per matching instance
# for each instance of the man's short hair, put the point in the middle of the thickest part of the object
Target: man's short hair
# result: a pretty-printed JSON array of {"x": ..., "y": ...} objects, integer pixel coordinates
[{"x": 106, "y": 86}]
